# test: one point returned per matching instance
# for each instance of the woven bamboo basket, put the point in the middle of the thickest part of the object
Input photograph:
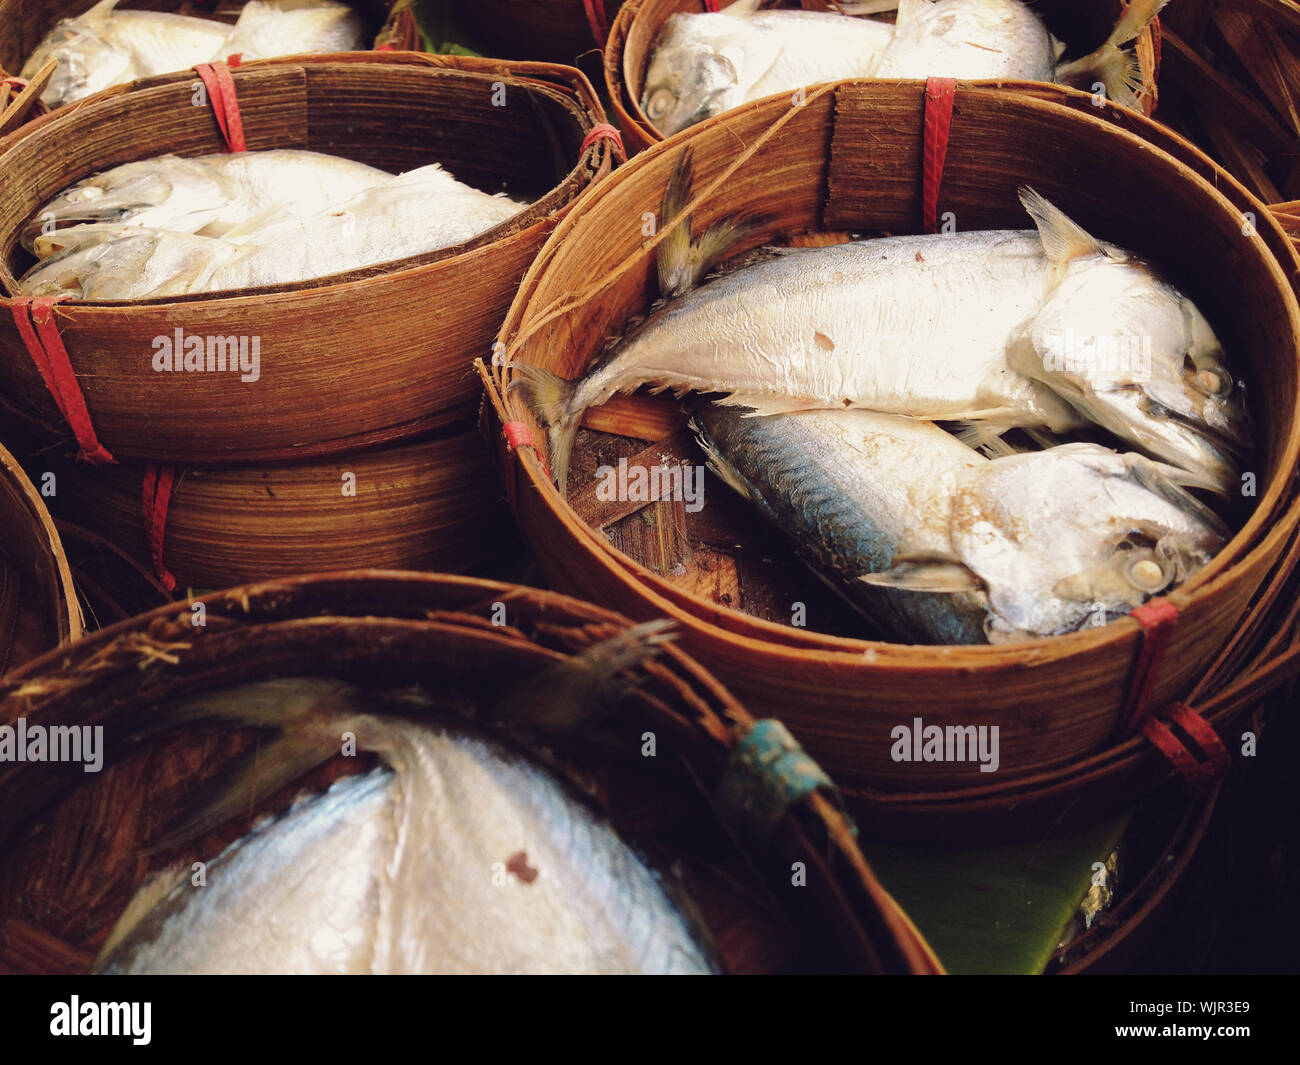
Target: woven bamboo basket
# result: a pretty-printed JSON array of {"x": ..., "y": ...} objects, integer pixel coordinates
[
  {"x": 111, "y": 585},
  {"x": 1055, "y": 701},
  {"x": 356, "y": 359},
  {"x": 1231, "y": 82},
  {"x": 38, "y": 604},
  {"x": 411, "y": 629},
  {"x": 26, "y": 22},
  {"x": 1083, "y": 25},
  {"x": 557, "y": 31},
  {"x": 430, "y": 505}
]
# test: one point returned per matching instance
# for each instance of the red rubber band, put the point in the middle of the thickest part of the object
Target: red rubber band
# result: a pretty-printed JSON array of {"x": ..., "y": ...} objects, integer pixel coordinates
[
  {"x": 158, "y": 482},
  {"x": 1158, "y": 619},
  {"x": 384, "y": 48},
  {"x": 35, "y": 321},
  {"x": 597, "y": 20},
  {"x": 939, "y": 95},
  {"x": 603, "y": 131},
  {"x": 518, "y": 435},
  {"x": 225, "y": 103},
  {"x": 1200, "y": 773}
]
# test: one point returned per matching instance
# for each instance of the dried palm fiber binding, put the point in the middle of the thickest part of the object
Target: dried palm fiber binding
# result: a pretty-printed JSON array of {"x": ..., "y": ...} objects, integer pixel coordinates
[
  {"x": 559, "y": 31},
  {"x": 26, "y": 22},
  {"x": 372, "y": 356},
  {"x": 1083, "y": 24},
  {"x": 429, "y": 505},
  {"x": 38, "y": 603},
  {"x": 61, "y": 898},
  {"x": 852, "y": 159}
]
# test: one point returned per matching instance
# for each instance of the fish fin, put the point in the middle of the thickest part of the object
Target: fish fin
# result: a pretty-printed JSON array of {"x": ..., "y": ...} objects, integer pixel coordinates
[
  {"x": 714, "y": 243},
  {"x": 986, "y": 437},
  {"x": 265, "y": 771},
  {"x": 672, "y": 257},
  {"x": 550, "y": 398},
  {"x": 718, "y": 463},
  {"x": 152, "y": 890},
  {"x": 1116, "y": 69},
  {"x": 1062, "y": 238},
  {"x": 579, "y": 689},
  {"x": 933, "y": 572},
  {"x": 1173, "y": 483},
  {"x": 742, "y": 8},
  {"x": 99, "y": 12},
  {"x": 910, "y": 12},
  {"x": 857, "y": 8},
  {"x": 762, "y": 405}
]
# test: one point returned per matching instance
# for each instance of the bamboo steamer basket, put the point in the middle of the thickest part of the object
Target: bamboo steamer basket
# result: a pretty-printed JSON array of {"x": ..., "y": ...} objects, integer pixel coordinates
[
  {"x": 557, "y": 31},
  {"x": 111, "y": 585},
  {"x": 434, "y": 630},
  {"x": 1055, "y": 701},
  {"x": 26, "y": 22},
  {"x": 430, "y": 505},
  {"x": 38, "y": 604},
  {"x": 627, "y": 53},
  {"x": 361, "y": 358}
]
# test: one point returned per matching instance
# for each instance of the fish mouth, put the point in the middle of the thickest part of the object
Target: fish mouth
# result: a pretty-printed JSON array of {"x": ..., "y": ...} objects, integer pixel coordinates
[{"x": 36, "y": 235}]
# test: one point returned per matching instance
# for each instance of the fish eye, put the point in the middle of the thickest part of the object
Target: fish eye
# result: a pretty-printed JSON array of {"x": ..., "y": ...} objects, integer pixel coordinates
[
  {"x": 1148, "y": 575},
  {"x": 661, "y": 101}
]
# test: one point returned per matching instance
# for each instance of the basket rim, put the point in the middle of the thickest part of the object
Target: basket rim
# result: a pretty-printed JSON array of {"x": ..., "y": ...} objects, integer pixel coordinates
[
  {"x": 1245, "y": 547},
  {"x": 567, "y": 87}
]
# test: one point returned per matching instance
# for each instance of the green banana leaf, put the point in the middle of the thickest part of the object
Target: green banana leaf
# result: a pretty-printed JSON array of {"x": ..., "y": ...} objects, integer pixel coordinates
[{"x": 997, "y": 909}]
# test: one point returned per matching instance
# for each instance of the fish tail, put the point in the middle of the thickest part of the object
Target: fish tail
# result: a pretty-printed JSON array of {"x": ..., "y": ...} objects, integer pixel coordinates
[
  {"x": 1110, "y": 65},
  {"x": 629, "y": 648},
  {"x": 551, "y": 399}
]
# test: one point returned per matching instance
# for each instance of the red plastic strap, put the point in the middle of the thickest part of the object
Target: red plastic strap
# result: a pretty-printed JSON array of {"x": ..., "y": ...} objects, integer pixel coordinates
[
  {"x": 385, "y": 48},
  {"x": 35, "y": 321},
  {"x": 225, "y": 103},
  {"x": 598, "y": 20},
  {"x": 158, "y": 482},
  {"x": 603, "y": 131},
  {"x": 1158, "y": 619},
  {"x": 1162, "y": 737},
  {"x": 711, "y": 5},
  {"x": 939, "y": 95},
  {"x": 518, "y": 435},
  {"x": 1203, "y": 733}
]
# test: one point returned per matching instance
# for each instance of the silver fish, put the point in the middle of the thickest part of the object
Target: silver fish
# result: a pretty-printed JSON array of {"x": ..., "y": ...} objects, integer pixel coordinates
[
  {"x": 268, "y": 28},
  {"x": 916, "y": 325},
  {"x": 704, "y": 64},
  {"x": 105, "y": 47},
  {"x": 208, "y": 195},
  {"x": 411, "y": 214},
  {"x": 456, "y": 856},
  {"x": 936, "y": 544}
]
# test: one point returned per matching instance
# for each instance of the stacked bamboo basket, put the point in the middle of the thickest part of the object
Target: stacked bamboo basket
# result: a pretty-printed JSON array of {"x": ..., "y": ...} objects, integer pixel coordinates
[
  {"x": 364, "y": 411},
  {"x": 440, "y": 632},
  {"x": 38, "y": 603},
  {"x": 850, "y": 159},
  {"x": 262, "y": 478}
]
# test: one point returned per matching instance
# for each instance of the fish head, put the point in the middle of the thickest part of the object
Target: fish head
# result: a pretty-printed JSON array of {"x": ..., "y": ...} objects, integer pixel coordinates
[
  {"x": 112, "y": 196},
  {"x": 1077, "y": 535},
  {"x": 1136, "y": 356},
  {"x": 695, "y": 72},
  {"x": 115, "y": 262},
  {"x": 88, "y": 62}
]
